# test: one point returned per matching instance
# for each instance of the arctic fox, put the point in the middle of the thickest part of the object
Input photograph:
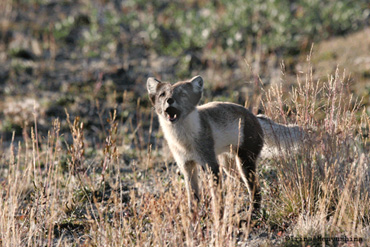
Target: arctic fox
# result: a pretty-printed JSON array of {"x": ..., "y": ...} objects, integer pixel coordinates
[{"x": 202, "y": 134}]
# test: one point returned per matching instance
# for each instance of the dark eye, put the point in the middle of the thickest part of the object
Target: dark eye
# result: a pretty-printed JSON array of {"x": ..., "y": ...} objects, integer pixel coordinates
[
  {"x": 162, "y": 95},
  {"x": 182, "y": 94}
]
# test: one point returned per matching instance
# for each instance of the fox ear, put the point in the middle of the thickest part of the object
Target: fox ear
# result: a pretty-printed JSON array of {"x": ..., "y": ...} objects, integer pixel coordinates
[
  {"x": 197, "y": 83},
  {"x": 151, "y": 85}
]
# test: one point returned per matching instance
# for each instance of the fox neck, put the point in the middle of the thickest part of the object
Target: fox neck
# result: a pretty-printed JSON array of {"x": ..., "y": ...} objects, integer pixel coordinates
[{"x": 184, "y": 131}]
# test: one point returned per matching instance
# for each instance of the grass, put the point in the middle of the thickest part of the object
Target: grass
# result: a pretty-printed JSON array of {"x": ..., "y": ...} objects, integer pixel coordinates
[
  {"x": 82, "y": 161},
  {"x": 55, "y": 194}
]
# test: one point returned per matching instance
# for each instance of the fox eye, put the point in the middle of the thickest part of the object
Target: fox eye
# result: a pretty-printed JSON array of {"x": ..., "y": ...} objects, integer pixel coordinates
[{"x": 162, "y": 94}]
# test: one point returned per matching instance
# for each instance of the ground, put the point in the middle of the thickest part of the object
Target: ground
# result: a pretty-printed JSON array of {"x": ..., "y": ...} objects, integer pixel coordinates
[{"x": 81, "y": 145}]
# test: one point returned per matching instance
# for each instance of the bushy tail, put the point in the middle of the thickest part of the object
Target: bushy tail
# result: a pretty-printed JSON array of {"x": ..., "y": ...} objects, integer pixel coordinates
[{"x": 279, "y": 138}]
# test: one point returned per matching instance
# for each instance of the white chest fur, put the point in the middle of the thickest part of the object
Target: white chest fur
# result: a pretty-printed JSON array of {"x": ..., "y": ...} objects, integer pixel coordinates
[
  {"x": 182, "y": 135},
  {"x": 226, "y": 135}
]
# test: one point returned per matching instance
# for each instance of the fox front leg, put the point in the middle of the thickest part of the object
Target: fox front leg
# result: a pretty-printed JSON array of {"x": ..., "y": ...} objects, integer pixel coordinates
[{"x": 190, "y": 171}]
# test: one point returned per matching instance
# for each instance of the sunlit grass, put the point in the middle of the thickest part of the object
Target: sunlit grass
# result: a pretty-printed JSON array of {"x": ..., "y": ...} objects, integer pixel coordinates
[
  {"x": 106, "y": 178},
  {"x": 53, "y": 194}
]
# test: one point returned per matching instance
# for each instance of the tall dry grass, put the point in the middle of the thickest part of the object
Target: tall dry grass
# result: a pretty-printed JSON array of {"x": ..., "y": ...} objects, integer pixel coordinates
[
  {"x": 52, "y": 194},
  {"x": 323, "y": 190}
]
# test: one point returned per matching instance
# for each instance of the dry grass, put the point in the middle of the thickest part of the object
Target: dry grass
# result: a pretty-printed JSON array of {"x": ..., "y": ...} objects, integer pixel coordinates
[
  {"x": 323, "y": 190},
  {"x": 72, "y": 186},
  {"x": 54, "y": 194}
]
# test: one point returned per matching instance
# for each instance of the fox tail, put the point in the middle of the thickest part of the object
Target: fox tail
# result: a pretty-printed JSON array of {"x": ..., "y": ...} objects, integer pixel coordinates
[{"x": 279, "y": 138}]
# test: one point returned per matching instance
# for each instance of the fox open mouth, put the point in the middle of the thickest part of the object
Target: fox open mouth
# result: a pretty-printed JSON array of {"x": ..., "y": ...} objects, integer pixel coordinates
[{"x": 172, "y": 114}]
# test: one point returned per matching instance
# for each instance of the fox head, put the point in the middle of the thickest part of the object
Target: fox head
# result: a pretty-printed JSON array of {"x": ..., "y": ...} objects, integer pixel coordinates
[{"x": 173, "y": 102}]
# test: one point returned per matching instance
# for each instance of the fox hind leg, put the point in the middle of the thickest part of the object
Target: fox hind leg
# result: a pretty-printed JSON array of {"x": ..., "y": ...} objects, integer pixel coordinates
[{"x": 246, "y": 164}]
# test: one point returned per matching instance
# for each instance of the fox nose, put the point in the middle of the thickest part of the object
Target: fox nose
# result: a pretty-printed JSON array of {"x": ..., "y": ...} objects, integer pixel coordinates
[{"x": 170, "y": 101}]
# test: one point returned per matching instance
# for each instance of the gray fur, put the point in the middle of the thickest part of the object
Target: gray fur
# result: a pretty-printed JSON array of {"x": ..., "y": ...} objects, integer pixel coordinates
[
  {"x": 199, "y": 134},
  {"x": 280, "y": 139}
]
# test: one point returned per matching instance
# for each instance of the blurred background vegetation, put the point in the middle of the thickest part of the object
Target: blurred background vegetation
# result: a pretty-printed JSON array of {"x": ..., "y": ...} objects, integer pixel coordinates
[
  {"x": 77, "y": 129},
  {"x": 285, "y": 27},
  {"x": 91, "y": 56}
]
